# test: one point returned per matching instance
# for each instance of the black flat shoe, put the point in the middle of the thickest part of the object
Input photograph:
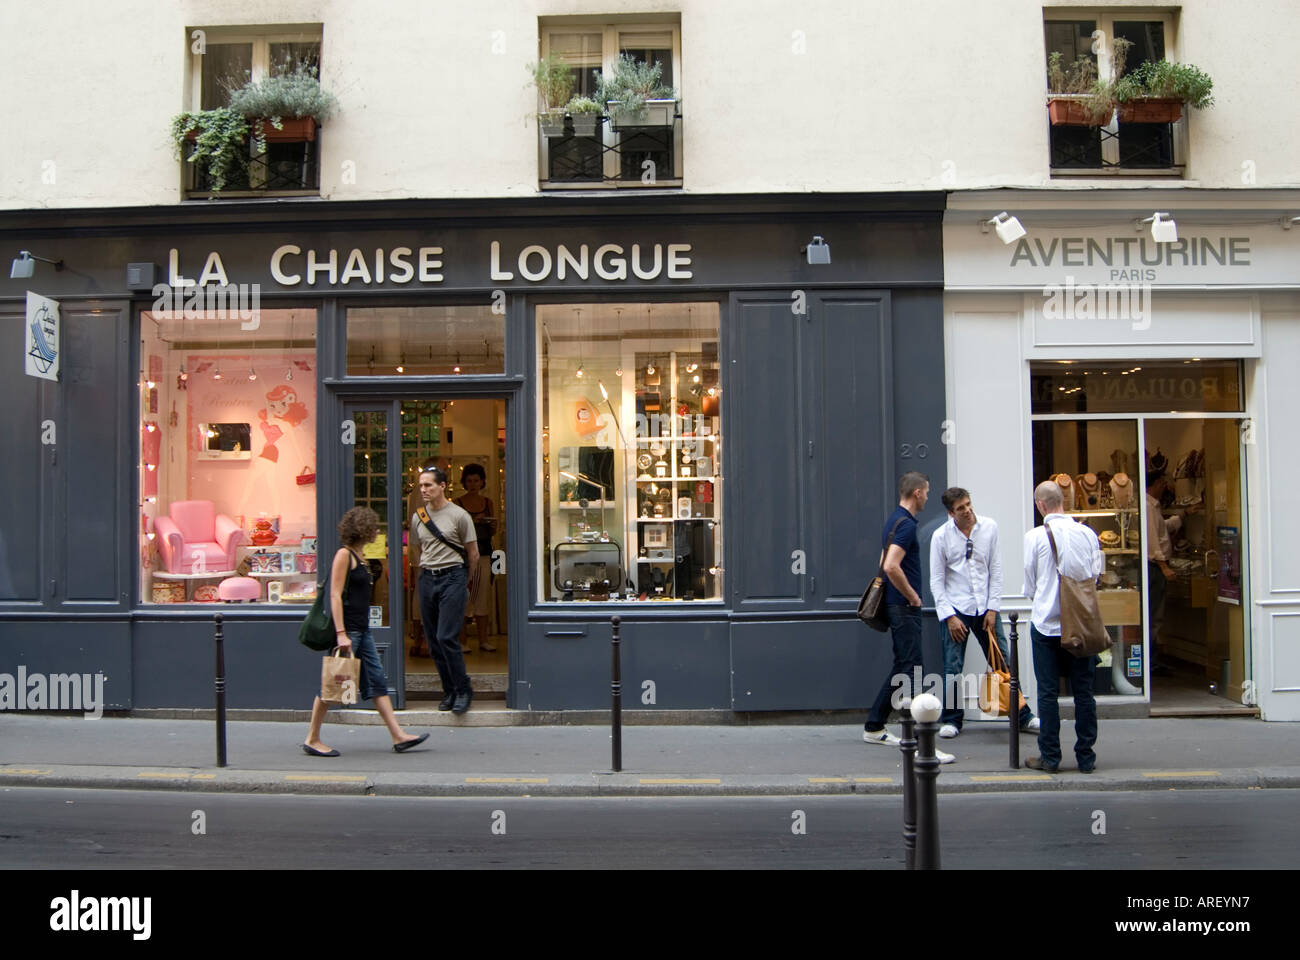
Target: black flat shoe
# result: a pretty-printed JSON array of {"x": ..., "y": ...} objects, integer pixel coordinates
[
  {"x": 408, "y": 744},
  {"x": 313, "y": 752}
]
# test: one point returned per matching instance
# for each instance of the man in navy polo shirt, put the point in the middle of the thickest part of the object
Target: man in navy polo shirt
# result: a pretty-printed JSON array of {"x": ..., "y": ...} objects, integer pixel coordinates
[{"x": 902, "y": 568}]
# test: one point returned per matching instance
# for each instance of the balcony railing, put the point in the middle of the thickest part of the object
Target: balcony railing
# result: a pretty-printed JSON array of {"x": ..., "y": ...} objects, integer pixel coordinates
[{"x": 291, "y": 167}]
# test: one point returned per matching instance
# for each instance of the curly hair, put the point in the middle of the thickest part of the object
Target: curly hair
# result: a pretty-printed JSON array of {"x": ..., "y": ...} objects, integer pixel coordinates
[
  {"x": 473, "y": 470},
  {"x": 359, "y": 525}
]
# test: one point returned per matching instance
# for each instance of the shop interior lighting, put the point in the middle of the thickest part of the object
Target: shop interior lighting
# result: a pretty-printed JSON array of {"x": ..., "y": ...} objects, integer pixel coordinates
[
  {"x": 24, "y": 265},
  {"x": 817, "y": 251},
  {"x": 370, "y": 364},
  {"x": 1163, "y": 227},
  {"x": 401, "y": 363},
  {"x": 252, "y": 374},
  {"x": 1007, "y": 227}
]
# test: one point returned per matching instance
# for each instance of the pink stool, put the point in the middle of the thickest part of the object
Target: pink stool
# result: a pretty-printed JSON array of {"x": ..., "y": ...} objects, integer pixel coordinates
[{"x": 239, "y": 589}]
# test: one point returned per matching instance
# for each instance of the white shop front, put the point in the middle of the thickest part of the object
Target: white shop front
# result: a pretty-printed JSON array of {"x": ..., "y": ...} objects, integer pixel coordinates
[{"x": 1085, "y": 350}]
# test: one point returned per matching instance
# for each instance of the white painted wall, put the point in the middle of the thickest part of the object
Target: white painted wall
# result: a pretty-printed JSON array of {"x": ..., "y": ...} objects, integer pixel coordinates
[{"x": 839, "y": 95}]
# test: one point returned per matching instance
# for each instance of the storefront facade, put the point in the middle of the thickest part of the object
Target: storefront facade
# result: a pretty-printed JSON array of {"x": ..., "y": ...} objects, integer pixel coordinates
[
  {"x": 1087, "y": 352},
  {"x": 680, "y": 417}
]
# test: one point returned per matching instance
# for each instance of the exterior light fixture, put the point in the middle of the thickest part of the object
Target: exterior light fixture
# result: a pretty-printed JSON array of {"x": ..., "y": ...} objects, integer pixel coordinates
[
  {"x": 817, "y": 251},
  {"x": 24, "y": 265},
  {"x": 1288, "y": 222},
  {"x": 1007, "y": 227},
  {"x": 1163, "y": 227}
]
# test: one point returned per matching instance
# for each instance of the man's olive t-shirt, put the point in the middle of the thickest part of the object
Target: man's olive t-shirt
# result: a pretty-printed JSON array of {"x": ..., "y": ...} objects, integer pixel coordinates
[{"x": 456, "y": 525}]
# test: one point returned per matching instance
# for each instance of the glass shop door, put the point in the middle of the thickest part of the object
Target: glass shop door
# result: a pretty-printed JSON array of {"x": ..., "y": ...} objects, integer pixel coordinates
[{"x": 375, "y": 482}]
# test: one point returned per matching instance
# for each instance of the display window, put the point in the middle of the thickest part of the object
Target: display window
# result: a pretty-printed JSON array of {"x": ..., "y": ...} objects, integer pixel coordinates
[
  {"x": 631, "y": 452},
  {"x": 1163, "y": 492},
  {"x": 228, "y": 457},
  {"x": 425, "y": 341}
]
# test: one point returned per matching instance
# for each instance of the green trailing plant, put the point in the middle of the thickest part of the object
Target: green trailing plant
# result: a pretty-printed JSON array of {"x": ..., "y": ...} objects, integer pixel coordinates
[
  {"x": 554, "y": 82},
  {"x": 218, "y": 142},
  {"x": 631, "y": 84}
]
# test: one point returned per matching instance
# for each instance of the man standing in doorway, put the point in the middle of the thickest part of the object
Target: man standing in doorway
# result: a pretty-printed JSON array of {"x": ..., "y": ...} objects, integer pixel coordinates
[
  {"x": 1159, "y": 553},
  {"x": 448, "y": 556},
  {"x": 902, "y": 568},
  {"x": 1059, "y": 547},
  {"x": 966, "y": 581}
]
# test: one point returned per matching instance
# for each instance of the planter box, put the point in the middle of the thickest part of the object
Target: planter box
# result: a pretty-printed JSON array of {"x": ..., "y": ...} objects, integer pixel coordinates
[
  {"x": 552, "y": 125},
  {"x": 295, "y": 130},
  {"x": 585, "y": 124},
  {"x": 655, "y": 113},
  {"x": 1151, "y": 110},
  {"x": 1073, "y": 112}
]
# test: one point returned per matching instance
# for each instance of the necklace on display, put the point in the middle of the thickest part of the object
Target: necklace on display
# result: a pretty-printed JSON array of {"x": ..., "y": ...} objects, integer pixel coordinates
[
  {"x": 1121, "y": 490},
  {"x": 1067, "y": 489},
  {"x": 1089, "y": 489}
]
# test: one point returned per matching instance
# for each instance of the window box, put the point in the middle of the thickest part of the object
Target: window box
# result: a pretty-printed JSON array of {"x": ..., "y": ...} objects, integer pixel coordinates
[
  {"x": 1070, "y": 112},
  {"x": 655, "y": 114},
  {"x": 551, "y": 124},
  {"x": 585, "y": 124},
  {"x": 1151, "y": 110},
  {"x": 292, "y": 129}
]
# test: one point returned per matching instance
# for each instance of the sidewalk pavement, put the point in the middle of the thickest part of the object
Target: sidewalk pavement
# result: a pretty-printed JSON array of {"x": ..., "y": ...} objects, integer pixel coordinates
[{"x": 266, "y": 757}]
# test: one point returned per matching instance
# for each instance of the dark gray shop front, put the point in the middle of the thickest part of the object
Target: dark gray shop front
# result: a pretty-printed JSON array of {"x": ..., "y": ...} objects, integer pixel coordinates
[{"x": 834, "y": 386}]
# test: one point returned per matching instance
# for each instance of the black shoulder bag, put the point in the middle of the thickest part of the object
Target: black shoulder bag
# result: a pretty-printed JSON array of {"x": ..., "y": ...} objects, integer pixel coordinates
[
  {"x": 871, "y": 608},
  {"x": 427, "y": 520}
]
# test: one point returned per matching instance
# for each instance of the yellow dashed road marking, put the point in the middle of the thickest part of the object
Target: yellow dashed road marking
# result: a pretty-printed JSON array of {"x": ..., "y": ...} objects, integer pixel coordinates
[
  {"x": 205, "y": 776},
  {"x": 26, "y": 773},
  {"x": 873, "y": 779}
]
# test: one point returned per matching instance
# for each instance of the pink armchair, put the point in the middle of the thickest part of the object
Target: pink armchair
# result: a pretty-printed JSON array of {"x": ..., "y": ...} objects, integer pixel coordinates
[{"x": 195, "y": 525}]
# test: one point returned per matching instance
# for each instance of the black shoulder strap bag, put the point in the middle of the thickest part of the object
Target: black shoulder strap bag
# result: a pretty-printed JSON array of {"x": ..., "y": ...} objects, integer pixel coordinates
[
  {"x": 427, "y": 520},
  {"x": 871, "y": 608}
]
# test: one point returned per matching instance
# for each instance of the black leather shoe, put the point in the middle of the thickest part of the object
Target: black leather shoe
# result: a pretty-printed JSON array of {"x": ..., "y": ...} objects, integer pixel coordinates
[
  {"x": 1036, "y": 763},
  {"x": 463, "y": 700},
  {"x": 446, "y": 702},
  {"x": 313, "y": 752},
  {"x": 1087, "y": 769},
  {"x": 408, "y": 744}
]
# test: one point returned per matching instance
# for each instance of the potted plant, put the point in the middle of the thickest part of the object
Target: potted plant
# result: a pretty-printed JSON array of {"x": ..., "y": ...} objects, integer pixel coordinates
[
  {"x": 219, "y": 137},
  {"x": 635, "y": 95},
  {"x": 1156, "y": 90},
  {"x": 554, "y": 82},
  {"x": 1076, "y": 97},
  {"x": 585, "y": 114},
  {"x": 287, "y": 107}
]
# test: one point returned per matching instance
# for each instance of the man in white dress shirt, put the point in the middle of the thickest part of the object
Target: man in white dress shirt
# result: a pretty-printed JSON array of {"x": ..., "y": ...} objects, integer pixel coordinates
[
  {"x": 1079, "y": 556},
  {"x": 966, "y": 580}
]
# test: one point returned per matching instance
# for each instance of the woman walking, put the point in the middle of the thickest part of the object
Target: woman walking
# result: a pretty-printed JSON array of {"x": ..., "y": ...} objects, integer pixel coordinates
[{"x": 359, "y": 526}]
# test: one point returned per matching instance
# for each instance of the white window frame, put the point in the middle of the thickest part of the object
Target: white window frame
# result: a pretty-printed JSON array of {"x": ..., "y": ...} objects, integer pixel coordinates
[
  {"x": 1105, "y": 20},
  {"x": 609, "y": 52},
  {"x": 261, "y": 41}
]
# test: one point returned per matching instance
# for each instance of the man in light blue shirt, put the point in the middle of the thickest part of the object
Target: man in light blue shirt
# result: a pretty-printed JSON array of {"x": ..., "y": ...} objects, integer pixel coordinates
[{"x": 966, "y": 580}]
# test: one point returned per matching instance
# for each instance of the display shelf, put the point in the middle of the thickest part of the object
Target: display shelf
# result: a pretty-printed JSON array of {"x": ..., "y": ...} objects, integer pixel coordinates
[
  {"x": 1120, "y": 550},
  {"x": 208, "y": 575},
  {"x": 1101, "y": 513}
]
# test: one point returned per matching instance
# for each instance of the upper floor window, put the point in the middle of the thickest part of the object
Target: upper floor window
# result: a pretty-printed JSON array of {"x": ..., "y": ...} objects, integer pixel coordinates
[
  {"x": 1088, "y": 135},
  {"x": 227, "y": 60},
  {"x": 612, "y": 145}
]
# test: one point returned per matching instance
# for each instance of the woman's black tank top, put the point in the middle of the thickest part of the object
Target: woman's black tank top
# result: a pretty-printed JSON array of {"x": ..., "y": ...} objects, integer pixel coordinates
[{"x": 356, "y": 605}]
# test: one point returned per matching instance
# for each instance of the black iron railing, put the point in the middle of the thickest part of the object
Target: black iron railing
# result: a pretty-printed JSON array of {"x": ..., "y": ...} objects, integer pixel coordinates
[
  {"x": 1139, "y": 146},
  {"x": 293, "y": 165}
]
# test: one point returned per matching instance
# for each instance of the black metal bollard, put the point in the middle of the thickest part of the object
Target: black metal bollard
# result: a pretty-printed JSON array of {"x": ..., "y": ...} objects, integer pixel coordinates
[
  {"x": 926, "y": 710},
  {"x": 1013, "y": 701},
  {"x": 616, "y": 693},
  {"x": 908, "y": 746},
  {"x": 221, "y": 693}
]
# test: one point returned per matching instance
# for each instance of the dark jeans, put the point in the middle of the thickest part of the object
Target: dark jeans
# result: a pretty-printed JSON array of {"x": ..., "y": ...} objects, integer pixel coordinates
[
  {"x": 954, "y": 658},
  {"x": 442, "y": 611},
  {"x": 374, "y": 682},
  {"x": 1050, "y": 664},
  {"x": 1156, "y": 584},
  {"x": 905, "y": 627}
]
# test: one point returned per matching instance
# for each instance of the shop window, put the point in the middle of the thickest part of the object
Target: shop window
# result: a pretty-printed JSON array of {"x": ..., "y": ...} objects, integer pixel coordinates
[
  {"x": 1115, "y": 147},
  {"x": 631, "y": 452},
  {"x": 425, "y": 341},
  {"x": 644, "y": 150},
  {"x": 227, "y": 456},
  {"x": 222, "y": 60},
  {"x": 1147, "y": 386}
]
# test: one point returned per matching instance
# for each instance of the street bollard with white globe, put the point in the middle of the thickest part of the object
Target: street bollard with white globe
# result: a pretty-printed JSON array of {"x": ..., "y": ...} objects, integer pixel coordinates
[{"x": 925, "y": 711}]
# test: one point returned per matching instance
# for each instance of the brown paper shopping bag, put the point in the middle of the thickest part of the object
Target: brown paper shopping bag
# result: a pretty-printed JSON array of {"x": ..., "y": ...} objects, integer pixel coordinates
[{"x": 340, "y": 676}]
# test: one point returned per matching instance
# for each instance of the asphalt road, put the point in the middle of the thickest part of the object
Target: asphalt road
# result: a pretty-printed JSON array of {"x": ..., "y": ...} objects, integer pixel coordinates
[{"x": 112, "y": 829}]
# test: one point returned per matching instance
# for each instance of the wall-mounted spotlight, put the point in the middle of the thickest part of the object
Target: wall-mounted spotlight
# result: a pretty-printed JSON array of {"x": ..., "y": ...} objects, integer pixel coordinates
[
  {"x": 817, "y": 251},
  {"x": 1163, "y": 227},
  {"x": 1289, "y": 222},
  {"x": 1008, "y": 227},
  {"x": 24, "y": 265}
]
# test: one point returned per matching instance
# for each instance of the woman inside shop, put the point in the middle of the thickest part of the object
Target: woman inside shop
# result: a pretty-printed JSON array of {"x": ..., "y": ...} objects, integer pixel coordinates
[
  {"x": 359, "y": 526},
  {"x": 474, "y": 478}
]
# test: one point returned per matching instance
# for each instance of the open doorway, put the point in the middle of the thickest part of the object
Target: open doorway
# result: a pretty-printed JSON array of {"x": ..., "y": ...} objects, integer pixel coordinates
[{"x": 466, "y": 438}]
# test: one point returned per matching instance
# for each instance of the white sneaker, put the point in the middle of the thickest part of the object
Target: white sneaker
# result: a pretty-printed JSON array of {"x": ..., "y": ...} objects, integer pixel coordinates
[
  {"x": 948, "y": 731},
  {"x": 882, "y": 737},
  {"x": 1034, "y": 725},
  {"x": 943, "y": 757}
]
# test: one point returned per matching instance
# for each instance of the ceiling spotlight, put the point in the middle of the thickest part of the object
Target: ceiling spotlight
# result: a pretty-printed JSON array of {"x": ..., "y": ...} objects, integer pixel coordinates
[
  {"x": 24, "y": 265},
  {"x": 650, "y": 369},
  {"x": 371, "y": 362},
  {"x": 252, "y": 374},
  {"x": 579, "y": 373},
  {"x": 1008, "y": 228},
  {"x": 1163, "y": 227},
  {"x": 401, "y": 363},
  {"x": 216, "y": 373},
  {"x": 817, "y": 251}
]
